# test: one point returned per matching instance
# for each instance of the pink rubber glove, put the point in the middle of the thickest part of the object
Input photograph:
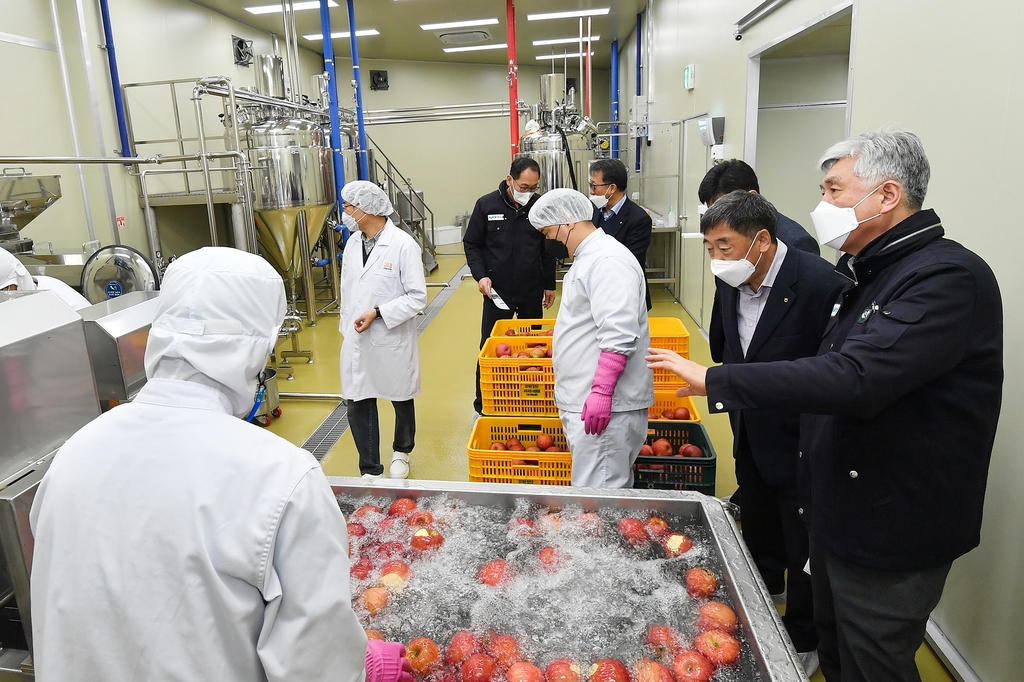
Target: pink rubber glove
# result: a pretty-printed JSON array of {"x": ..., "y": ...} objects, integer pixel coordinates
[
  {"x": 385, "y": 662},
  {"x": 597, "y": 410}
]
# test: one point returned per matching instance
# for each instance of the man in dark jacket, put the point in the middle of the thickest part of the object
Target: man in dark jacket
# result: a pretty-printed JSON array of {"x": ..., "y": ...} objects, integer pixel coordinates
[
  {"x": 734, "y": 174},
  {"x": 772, "y": 302},
  {"x": 507, "y": 255},
  {"x": 616, "y": 214},
  {"x": 899, "y": 407}
]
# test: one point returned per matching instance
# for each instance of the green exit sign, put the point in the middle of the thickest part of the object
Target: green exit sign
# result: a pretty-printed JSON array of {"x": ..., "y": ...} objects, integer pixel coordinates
[{"x": 688, "y": 77}]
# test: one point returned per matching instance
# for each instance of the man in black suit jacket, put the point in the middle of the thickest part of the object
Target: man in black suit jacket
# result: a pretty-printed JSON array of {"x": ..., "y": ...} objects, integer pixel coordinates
[
  {"x": 775, "y": 309},
  {"x": 734, "y": 174},
  {"x": 616, "y": 214}
]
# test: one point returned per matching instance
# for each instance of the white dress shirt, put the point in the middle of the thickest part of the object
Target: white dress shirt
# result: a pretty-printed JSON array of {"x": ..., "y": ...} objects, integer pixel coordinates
[{"x": 750, "y": 304}]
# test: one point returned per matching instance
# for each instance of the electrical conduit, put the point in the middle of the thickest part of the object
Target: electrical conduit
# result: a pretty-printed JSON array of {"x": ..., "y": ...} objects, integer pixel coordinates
[
  {"x": 615, "y": 99},
  {"x": 332, "y": 96},
  {"x": 363, "y": 165},
  {"x": 639, "y": 77},
  {"x": 115, "y": 80}
]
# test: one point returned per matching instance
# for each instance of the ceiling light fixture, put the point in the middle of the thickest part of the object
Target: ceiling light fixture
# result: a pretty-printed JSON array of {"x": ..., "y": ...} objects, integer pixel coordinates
[
  {"x": 571, "y": 55},
  {"x": 565, "y": 41},
  {"x": 474, "y": 48},
  {"x": 270, "y": 9},
  {"x": 459, "y": 24},
  {"x": 343, "y": 34},
  {"x": 569, "y": 15}
]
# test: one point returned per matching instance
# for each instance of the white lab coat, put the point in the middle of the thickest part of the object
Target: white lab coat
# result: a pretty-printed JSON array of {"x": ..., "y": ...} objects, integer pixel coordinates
[
  {"x": 383, "y": 361},
  {"x": 174, "y": 541},
  {"x": 74, "y": 299}
]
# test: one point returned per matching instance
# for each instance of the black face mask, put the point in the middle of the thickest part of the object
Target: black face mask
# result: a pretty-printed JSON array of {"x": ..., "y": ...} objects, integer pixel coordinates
[{"x": 556, "y": 249}]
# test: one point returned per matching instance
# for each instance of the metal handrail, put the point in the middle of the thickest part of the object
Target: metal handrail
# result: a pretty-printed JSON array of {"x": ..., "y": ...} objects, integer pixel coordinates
[{"x": 395, "y": 180}]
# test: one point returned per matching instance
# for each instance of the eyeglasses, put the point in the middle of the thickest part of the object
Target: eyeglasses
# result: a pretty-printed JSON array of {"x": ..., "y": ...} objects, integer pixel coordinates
[
  {"x": 521, "y": 188},
  {"x": 594, "y": 185}
]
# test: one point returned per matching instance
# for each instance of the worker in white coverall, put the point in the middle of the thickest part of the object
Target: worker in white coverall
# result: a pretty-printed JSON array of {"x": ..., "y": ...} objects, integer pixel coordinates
[
  {"x": 602, "y": 384},
  {"x": 382, "y": 291},
  {"x": 15, "y": 277},
  {"x": 175, "y": 541}
]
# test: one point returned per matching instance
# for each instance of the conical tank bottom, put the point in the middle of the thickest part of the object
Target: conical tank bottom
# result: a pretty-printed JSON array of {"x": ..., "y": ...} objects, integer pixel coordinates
[{"x": 275, "y": 230}]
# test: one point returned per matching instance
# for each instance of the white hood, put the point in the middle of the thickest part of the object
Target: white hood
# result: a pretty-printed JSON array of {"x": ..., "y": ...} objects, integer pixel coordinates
[
  {"x": 219, "y": 314},
  {"x": 13, "y": 272}
]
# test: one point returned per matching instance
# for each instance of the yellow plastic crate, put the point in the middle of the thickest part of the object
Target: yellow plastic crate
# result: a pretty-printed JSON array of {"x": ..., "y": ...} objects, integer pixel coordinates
[
  {"x": 524, "y": 327},
  {"x": 517, "y": 386},
  {"x": 664, "y": 400},
  {"x": 670, "y": 333},
  {"x": 503, "y": 466}
]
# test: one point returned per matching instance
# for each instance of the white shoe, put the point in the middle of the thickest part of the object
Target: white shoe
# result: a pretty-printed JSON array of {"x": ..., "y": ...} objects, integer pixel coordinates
[
  {"x": 476, "y": 415},
  {"x": 809, "y": 662},
  {"x": 373, "y": 475},
  {"x": 399, "y": 465},
  {"x": 779, "y": 599}
]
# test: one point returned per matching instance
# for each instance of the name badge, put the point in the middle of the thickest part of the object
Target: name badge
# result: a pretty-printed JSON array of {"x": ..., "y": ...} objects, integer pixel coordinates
[
  {"x": 388, "y": 265},
  {"x": 835, "y": 309},
  {"x": 496, "y": 216}
]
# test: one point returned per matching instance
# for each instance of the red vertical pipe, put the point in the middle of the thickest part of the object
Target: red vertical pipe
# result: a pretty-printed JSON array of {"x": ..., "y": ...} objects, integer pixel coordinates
[
  {"x": 513, "y": 80},
  {"x": 590, "y": 33}
]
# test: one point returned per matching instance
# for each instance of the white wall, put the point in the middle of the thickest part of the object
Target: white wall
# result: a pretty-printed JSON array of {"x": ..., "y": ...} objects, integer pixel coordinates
[{"x": 956, "y": 77}]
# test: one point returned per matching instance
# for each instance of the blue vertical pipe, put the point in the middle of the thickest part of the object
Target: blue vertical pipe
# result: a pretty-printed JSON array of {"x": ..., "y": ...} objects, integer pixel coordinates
[
  {"x": 364, "y": 172},
  {"x": 615, "y": 98},
  {"x": 639, "y": 75},
  {"x": 115, "y": 80},
  {"x": 332, "y": 103}
]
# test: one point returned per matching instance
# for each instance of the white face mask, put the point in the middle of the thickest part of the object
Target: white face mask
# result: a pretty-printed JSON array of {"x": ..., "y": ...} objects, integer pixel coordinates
[
  {"x": 735, "y": 272},
  {"x": 834, "y": 224},
  {"x": 349, "y": 222},
  {"x": 521, "y": 198},
  {"x": 599, "y": 200}
]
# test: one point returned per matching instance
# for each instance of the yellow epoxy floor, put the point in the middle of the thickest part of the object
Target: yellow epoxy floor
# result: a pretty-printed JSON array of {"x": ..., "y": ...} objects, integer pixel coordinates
[{"x": 444, "y": 409}]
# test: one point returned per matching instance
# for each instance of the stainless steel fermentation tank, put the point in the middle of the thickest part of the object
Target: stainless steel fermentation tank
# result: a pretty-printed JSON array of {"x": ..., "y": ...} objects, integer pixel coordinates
[{"x": 565, "y": 144}]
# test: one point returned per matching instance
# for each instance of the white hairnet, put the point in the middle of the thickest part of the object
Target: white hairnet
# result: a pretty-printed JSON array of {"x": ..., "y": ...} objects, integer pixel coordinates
[
  {"x": 367, "y": 197},
  {"x": 219, "y": 313},
  {"x": 561, "y": 206},
  {"x": 13, "y": 272}
]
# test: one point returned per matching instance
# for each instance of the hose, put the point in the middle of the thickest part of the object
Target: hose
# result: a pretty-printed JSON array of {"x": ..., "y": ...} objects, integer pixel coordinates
[{"x": 568, "y": 157}]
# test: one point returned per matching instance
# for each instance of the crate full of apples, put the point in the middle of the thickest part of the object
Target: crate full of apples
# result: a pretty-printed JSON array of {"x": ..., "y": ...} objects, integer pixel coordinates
[
  {"x": 543, "y": 594},
  {"x": 676, "y": 456},
  {"x": 517, "y": 377},
  {"x": 519, "y": 450},
  {"x": 667, "y": 407},
  {"x": 524, "y": 327}
]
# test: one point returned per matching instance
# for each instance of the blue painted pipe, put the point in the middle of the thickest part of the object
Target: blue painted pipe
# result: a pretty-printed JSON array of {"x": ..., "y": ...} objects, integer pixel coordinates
[
  {"x": 115, "y": 80},
  {"x": 332, "y": 96},
  {"x": 615, "y": 98},
  {"x": 364, "y": 172},
  {"x": 639, "y": 74}
]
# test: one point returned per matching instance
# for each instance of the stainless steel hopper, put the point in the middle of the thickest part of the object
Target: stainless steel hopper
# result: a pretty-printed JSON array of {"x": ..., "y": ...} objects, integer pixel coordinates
[{"x": 23, "y": 197}]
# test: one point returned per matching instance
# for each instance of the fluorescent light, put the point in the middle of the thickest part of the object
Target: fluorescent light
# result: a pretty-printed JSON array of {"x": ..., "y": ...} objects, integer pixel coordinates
[
  {"x": 459, "y": 24},
  {"x": 270, "y": 9},
  {"x": 571, "y": 55},
  {"x": 343, "y": 34},
  {"x": 565, "y": 41},
  {"x": 569, "y": 15},
  {"x": 474, "y": 48}
]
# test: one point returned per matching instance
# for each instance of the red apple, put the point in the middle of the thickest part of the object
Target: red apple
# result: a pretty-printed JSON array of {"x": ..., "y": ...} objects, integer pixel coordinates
[
  {"x": 366, "y": 509},
  {"x": 676, "y": 544},
  {"x": 356, "y": 530},
  {"x": 647, "y": 670},
  {"x": 477, "y": 668},
  {"x": 663, "y": 448},
  {"x": 701, "y": 583},
  {"x": 510, "y": 332},
  {"x": 498, "y": 446},
  {"x": 423, "y": 655},
  {"x": 720, "y": 648},
  {"x": 608, "y": 670},
  {"x": 513, "y": 444},
  {"x": 426, "y": 539},
  {"x": 716, "y": 616},
  {"x": 388, "y": 550},
  {"x": 521, "y": 526},
  {"x": 361, "y": 569},
  {"x": 463, "y": 645},
  {"x": 373, "y": 599},
  {"x": 550, "y": 522},
  {"x": 550, "y": 332},
  {"x": 401, "y": 506},
  {"x": 518, "y": 462},
  {"x": 539, "y": 352},
  {"x": 562, "y": 670},
  {"x": 663, "y": 641},
  {"x": 682, "y": 413},
  {"x": 551, "y": 559},
  {"x": 533, "y": 448},
  {"x": 420, "y": 518},
  {"x": 691, "y": 666},
  {"x": 591, "y": 523},
  {"x": 522, "y": 354},
  {"x": 553, "y": 448},
  {"x": 544, "y": 441},
  {"x": 495, "y": 572},
  {"x": 504, "y": 649},
  {"x": 657, "y": 526},
  {"x": 633, "y": 530},
  {"x": 524, "y": 672},
  {"x": 691, "y": 450},
  {"x": 399, "y": 568},
  {"x": 646, "y": 451},
  {"x": 374, "y": 634},
  {"x": 503, "y": 350},
  {"x": 668, "y": 414}
]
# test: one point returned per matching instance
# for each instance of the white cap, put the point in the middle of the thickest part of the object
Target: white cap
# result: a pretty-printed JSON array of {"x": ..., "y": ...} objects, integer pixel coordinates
[
  {"x": 217, "y": 320},
  {"x": 367, "y": 197},
  {"x": 13, "y": 272},
  {"x": 561, "y": 206}
]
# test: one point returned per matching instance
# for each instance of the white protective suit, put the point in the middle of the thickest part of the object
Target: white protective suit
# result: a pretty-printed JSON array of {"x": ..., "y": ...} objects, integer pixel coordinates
[
  {"x": 12, "y": 271},
  {"x": 74, "y": 299},
  {"x": 174, "y": 541},
  {"x": 383, "y": 361}
]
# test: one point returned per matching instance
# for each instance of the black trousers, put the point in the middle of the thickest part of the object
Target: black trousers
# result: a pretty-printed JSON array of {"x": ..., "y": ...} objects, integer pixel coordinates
[
  {"x": 365, "y": 425},
  {"x": 492, "y": 313},
  {"x": 870, "y": 621},
  {"x": 777, "y": 539}
]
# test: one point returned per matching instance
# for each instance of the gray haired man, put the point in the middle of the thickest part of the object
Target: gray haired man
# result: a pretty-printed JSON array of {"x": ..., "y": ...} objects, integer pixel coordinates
[{"x": 900, "y": 408}]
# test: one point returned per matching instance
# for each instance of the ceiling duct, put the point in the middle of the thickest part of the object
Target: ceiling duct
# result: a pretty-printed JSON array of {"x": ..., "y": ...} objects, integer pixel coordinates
[{"x": 464, "y": 37}]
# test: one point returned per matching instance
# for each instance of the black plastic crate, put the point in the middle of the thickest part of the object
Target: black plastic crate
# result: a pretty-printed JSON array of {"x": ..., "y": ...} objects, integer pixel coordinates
[{"x": 677, "y": 473}]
